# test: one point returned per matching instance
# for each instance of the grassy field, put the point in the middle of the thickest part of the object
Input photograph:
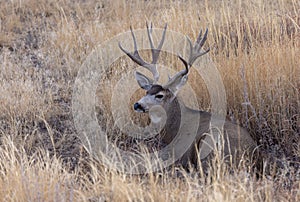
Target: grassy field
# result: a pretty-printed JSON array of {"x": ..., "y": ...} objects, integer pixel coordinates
[{"x": 255, "y": 45}]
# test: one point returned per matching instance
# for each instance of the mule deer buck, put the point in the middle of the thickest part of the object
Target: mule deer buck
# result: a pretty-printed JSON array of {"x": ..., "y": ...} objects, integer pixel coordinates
[{"x": 237, "y": 140}]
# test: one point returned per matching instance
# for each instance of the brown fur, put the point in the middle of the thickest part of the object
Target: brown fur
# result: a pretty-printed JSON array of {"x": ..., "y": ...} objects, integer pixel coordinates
[{"x": 237, "y": 141}]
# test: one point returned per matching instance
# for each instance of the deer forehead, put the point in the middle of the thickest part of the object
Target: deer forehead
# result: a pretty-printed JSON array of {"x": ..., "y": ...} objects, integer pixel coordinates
[{"x": 155, "y": 89}]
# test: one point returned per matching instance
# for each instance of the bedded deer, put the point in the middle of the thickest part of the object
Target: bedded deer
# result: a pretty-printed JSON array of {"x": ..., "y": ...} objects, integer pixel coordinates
[{"x": 237, "y": 141}]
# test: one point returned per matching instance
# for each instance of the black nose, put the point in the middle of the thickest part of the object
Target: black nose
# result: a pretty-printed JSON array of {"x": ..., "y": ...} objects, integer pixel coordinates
[{"x": 137, "y": 106}]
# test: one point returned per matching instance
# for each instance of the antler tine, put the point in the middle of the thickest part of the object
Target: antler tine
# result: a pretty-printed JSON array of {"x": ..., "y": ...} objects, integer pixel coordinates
[
  {"x": 135, "y": 56},
  {"x": 195, "y": 52},
  {"x": 200, "y": 40},
  {"x": 186, "y": 70},
  {"x": 155, "y": 52},
  {"x": 162, "y": 38},
  {"x": 199, "y": 37}
]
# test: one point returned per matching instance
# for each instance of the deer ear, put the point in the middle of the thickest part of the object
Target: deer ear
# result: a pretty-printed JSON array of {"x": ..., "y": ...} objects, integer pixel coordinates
[
  {"x": 175, "y": 83},
  {"x": 143, "y": 81}
]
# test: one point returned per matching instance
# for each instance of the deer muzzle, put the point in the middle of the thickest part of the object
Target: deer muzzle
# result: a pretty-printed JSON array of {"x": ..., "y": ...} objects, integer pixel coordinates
[{"x": 138, "y": 107}]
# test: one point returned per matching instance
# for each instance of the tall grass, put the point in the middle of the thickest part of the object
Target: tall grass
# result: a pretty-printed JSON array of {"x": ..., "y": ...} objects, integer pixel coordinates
[{"x": 255, "y": 44}]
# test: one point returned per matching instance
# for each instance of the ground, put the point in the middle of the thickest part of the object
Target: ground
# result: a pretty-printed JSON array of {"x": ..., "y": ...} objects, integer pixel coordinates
[{"x": 254, "y": 44}]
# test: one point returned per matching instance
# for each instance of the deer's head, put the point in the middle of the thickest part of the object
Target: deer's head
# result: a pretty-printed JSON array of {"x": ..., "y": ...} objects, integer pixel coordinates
[{"x": 164, "y": 94}]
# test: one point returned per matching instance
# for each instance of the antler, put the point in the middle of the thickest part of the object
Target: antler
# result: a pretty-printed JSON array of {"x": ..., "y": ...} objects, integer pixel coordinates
[
  {"x": 195, "y": 52},
  {"x": 155, "y": 52}
]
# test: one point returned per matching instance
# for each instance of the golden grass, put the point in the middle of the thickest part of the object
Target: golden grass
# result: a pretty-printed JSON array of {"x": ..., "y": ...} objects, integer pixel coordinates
[{"x": 255, "y": 44}]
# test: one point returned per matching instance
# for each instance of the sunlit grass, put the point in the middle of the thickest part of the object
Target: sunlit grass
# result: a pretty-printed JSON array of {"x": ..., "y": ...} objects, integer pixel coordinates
[{"x": 255, "y": 45}]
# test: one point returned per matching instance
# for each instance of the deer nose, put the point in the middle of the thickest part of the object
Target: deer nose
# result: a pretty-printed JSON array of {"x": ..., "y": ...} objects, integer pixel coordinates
[{"x": 138, "y": 107}]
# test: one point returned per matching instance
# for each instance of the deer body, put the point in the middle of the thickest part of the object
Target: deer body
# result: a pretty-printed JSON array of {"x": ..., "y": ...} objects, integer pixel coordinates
[{"x": 236, "y": 139}]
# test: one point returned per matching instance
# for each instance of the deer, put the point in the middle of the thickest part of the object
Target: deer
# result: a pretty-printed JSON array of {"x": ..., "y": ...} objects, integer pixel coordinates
[{"x": 237, "y": 140}]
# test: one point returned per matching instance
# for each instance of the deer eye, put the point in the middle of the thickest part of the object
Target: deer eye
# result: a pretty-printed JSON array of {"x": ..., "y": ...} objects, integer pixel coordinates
[{"x": 159, "y": 96}]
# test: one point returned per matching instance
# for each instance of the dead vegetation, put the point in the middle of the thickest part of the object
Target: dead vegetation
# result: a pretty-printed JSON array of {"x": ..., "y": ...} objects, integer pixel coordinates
[{"x": 256, "y": 46}]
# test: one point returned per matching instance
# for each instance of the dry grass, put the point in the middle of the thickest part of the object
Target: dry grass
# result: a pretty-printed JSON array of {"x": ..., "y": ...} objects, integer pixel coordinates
[{"x": 256, "y": 46}]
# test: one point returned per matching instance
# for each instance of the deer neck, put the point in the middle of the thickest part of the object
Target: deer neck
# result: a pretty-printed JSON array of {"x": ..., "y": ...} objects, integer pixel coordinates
[{"x": 173, "y": 110}]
